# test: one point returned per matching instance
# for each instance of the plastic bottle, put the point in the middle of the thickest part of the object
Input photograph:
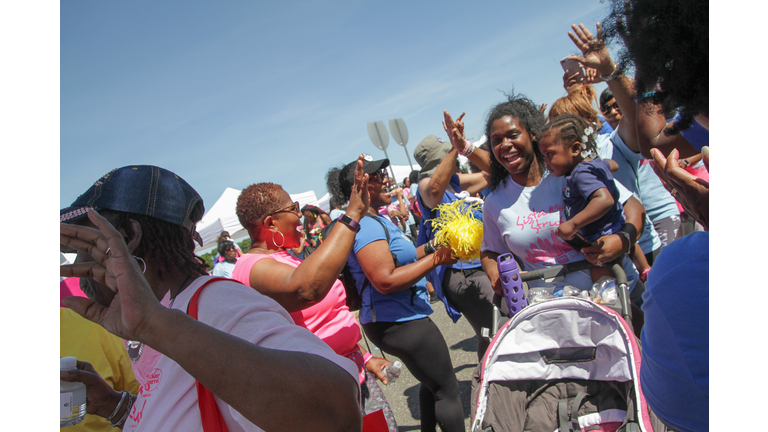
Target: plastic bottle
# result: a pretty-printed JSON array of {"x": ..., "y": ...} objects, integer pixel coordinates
[
  {"x": 72, "y": 396},
  {"x": 538, "y": 294},
  {"x": 392, "y": 371}
]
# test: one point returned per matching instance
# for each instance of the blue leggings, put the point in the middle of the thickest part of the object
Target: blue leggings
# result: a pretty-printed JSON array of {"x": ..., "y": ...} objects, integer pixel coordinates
[{"x": 422, "y": 349}]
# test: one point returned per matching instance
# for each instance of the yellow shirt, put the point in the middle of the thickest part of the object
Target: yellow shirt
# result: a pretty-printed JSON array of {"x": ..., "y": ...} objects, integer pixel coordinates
[{"x": 90, "y": 342}]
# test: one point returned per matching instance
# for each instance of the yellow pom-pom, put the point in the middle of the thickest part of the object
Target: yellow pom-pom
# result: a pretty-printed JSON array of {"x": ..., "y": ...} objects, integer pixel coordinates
[{"x": 458, "y": 227}]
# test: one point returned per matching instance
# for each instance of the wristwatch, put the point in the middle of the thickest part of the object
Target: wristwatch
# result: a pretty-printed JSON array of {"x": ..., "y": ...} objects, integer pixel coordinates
[
  {"x": 629, "y": 241},
  {"x": 351, "y": 223}
]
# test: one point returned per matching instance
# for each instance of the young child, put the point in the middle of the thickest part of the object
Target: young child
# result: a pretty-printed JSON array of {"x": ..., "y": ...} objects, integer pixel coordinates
[{"x": 592, "y": 206}]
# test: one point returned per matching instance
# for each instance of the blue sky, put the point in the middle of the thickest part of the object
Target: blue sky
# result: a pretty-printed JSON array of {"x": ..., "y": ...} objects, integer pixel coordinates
[{"x": 231, "y": 94}]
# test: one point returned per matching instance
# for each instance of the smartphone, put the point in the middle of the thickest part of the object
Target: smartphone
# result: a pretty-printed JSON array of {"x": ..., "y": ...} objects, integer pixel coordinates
[
  {"x": 578, "y": 242},
  {"x": 572, "y": 66}
]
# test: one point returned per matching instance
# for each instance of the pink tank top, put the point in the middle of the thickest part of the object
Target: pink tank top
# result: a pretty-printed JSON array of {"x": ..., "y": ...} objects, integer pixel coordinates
[{"x": 330, "y": 320}]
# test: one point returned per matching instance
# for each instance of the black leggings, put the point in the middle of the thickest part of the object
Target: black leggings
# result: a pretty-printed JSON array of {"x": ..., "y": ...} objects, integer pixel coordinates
[{"x": 422, "y": 349}]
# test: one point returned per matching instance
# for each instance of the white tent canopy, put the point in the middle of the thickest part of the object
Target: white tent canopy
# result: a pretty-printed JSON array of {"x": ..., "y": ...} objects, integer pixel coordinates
[{"x": 222, "y": 217}]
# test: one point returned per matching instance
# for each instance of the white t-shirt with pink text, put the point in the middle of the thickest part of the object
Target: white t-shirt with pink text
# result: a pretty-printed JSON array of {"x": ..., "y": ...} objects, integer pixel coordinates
[
  {"x": 168, "y": 399},
  {"x": 522, "y": 220}
]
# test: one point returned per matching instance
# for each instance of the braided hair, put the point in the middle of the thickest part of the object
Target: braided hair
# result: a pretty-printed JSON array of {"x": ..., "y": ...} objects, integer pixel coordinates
[
  {"x": 168, "y": 245},
  {"x": 571, "y": 128},
  {"x": 529, "y": 116}
]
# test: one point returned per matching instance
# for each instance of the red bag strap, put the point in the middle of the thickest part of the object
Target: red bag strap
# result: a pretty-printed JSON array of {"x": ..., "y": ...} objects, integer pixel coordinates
[{"x": 209, "y": 411}]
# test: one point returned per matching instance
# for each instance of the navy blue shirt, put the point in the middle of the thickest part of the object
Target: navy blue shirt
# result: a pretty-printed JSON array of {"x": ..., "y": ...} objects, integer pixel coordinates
[{"x": 583, "y": 181}]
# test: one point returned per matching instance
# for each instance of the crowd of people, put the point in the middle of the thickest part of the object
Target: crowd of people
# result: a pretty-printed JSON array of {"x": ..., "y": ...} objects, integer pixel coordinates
[{"x": 616, "y": 177}]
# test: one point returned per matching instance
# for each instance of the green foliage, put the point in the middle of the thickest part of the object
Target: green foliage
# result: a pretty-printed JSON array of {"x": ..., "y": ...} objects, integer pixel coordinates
[{"x": 244, "y": 245}]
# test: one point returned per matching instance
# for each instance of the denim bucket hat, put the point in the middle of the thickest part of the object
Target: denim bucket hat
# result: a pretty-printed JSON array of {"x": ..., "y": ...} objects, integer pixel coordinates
[{"x": 145, "y": 190}]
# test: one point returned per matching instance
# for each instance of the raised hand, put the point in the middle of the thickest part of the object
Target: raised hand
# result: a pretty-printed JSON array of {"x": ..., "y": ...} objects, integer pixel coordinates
[
  {"x": 134, "y": 305},
  {"x": 595, "y": 52},
  {"x": 359, "y": 199},
  {"x": 455, "y": 130},
  {"x": 690, "y": 191}
]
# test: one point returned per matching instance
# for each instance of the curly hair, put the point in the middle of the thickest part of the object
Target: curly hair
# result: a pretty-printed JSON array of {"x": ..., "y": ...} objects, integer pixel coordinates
[
  {"x": 333, "y": 183},
  {"x": 574, "y": 104},
  {"x": 571, "y": 128},
  {"x": 255, "y": 203},
  {"x": 529, "y": 116},
  {"x": 168, "y": 245},
  {"x": 667, "y": 43}
]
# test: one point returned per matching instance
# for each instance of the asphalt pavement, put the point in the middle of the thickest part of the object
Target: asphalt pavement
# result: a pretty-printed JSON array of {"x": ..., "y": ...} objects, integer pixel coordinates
[{"x": 403, "y": 395}]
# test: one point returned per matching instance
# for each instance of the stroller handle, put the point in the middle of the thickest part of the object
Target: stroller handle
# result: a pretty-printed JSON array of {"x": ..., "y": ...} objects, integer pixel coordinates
[{"x": 561, "y": 270}]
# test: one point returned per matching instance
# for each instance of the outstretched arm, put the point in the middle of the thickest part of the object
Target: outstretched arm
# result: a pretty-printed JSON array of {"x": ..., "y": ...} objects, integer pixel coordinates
[
  {"x": 297, "y": 288},
  {"x": 596, "y": 55}
]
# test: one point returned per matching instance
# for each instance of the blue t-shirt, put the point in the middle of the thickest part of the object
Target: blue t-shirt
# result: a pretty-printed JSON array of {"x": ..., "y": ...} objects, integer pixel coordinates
[
  {"x": 586, "y": 178},
  {"x": 674, "y": 374},
  {"x": 388, "y": 307},
  {"x": 637, "y": 175},
  {"x": 223, "y": 269}
]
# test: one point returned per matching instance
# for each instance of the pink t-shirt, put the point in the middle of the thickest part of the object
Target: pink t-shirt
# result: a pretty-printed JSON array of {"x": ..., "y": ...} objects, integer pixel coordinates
[
  {"x": 168, "y": 400},
  {"x": 330, "y": 320}
]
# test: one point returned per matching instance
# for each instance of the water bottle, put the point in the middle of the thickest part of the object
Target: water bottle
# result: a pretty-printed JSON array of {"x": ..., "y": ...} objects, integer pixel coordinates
[
  {"x": 511, "y": 283},
  {"x": 392, "y": 371},
  {"x": 72, "y": 396}
]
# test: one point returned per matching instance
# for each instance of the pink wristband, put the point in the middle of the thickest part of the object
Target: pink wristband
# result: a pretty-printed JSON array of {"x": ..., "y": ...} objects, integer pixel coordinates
[{"x": 367, "y": 356}]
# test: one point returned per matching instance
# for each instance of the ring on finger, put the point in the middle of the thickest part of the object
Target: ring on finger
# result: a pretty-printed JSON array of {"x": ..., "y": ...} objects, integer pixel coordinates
[
  {"x": 599, "y": 264},
  {"x": 106, "y": 254}
]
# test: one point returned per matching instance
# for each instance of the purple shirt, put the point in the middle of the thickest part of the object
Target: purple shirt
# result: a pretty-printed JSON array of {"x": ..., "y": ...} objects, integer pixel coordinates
[{"x": 583, "y": 181}]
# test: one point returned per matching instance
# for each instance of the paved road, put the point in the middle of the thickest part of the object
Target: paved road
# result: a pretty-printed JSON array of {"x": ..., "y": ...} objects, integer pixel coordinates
[{"x": 403, "y": 395}]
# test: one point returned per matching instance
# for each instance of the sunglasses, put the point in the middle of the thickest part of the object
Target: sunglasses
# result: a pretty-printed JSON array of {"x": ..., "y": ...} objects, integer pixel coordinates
[
  {"x": 378, "y": 176},
  {"x": 293, "y": 208},
  {"x": 607, "y": 108}
]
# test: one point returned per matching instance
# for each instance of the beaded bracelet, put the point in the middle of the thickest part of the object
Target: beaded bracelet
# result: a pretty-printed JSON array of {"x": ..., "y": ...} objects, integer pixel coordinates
[
  {"x": 119, "y": 404},
  {"x": 469, "y": 148}
]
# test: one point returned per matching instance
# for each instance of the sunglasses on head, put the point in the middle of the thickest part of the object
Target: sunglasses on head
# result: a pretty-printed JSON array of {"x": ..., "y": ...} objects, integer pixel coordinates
[
  {"x": 607, "y": 107},
  {"x": 293, "y": 208}
]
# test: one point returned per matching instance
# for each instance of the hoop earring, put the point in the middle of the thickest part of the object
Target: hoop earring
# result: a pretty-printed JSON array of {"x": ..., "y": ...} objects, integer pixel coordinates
[
  {"x": 273, "y": 239},
  {"x": 143, "y": 264}
]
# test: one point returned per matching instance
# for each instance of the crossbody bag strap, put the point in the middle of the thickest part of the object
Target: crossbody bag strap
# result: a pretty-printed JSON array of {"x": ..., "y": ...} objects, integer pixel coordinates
[{"x": 210, "y": 415}]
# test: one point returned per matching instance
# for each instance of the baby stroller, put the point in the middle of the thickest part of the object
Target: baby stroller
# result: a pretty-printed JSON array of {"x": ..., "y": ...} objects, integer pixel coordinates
[{"x": 562, "y": 364}]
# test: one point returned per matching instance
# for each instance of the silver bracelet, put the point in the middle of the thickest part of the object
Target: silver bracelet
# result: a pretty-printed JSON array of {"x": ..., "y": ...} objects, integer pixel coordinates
[
  {"x": 429, "y": 248},
  {"x": 125, "y": 416},
  {"x": 612, "y": 75},
  {"x": 119, "y": 404}
]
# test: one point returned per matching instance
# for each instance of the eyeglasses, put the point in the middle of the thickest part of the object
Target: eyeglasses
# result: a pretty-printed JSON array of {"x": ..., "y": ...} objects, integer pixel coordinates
[
  {"x": 607, "y": 107},
  {"x": 293, "y": 208}
]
